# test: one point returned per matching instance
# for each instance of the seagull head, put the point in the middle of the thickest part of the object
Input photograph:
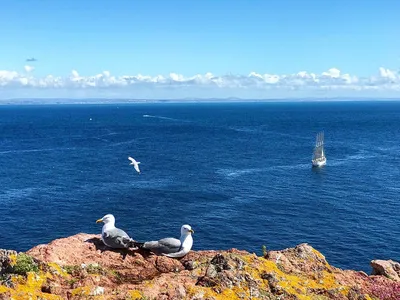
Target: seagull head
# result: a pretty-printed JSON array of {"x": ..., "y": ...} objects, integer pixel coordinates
[
  {"x": 186, "y": 230},
  {"x": 107, "y": 219}
]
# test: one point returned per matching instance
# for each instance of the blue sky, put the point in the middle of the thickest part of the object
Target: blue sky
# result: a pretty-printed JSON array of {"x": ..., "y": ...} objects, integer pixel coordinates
[{"x": 195, "y": 37}]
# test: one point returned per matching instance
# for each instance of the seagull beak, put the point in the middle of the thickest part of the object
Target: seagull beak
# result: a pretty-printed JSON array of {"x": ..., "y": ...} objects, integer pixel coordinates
[
  {"x": 99, "y": 220},
  {"x": 191, "y": 230}
]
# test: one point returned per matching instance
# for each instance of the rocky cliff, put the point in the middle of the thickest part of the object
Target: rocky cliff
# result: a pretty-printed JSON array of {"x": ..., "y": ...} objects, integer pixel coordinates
[{"x": 81, "y": 267}]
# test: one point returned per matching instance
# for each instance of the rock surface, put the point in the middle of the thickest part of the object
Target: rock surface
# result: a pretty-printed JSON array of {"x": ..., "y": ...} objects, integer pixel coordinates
[
  {"x": 81, "y": 267},
  {"x": 5, "y": 260},
  {"x": 388, "y": 268}
]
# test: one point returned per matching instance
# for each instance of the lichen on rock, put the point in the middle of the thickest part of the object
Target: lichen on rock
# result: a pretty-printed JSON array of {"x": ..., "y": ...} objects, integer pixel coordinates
[{"x": 80, "y": 267}]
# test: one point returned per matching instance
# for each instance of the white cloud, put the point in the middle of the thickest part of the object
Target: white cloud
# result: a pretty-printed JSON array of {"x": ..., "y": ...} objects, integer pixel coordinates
[
  {"x": 333, "y": 73},
  {"x": 29, "y": 68},
  {"x": 232, "y": 85},
  {"x": 386, "y": 73}
]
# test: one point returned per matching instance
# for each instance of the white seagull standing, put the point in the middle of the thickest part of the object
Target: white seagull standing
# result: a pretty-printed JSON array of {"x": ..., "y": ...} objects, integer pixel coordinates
[
  {"x": 112, "y": 236},
  {"x": 134, "y": 163}
]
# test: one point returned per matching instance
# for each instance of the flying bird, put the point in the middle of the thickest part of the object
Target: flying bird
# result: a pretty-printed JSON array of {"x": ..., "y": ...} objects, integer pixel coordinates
[
  {"x": 114, "y": 237},
  {"x": 32, "y": 59},
  {"x": 134, "y": 163}
]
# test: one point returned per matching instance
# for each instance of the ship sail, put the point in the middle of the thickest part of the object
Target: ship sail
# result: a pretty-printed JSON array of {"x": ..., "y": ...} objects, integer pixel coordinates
[
  {"x": 319, "y": 158},
  {"x": 319, "y": 146}
]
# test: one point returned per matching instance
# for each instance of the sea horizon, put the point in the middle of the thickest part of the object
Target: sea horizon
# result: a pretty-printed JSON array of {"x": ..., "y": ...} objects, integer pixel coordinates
[{"x": 111, "y": 100}]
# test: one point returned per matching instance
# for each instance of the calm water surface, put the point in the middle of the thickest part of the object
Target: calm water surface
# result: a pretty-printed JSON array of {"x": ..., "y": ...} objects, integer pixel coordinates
[{"x": 240, "y": 174}]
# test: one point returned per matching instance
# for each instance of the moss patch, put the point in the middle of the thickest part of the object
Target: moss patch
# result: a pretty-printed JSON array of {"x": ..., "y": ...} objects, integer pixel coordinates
[
  {"x": 95, "y": 269},
  {"x": 72, "y": 270},
  {"x": 56, "y": 269},
  {"x": 29, "y": 287},
  {"x": 22, "y": 264},
  {"x": 81, "y": 291},
  {"x": 135, "y": 295}
]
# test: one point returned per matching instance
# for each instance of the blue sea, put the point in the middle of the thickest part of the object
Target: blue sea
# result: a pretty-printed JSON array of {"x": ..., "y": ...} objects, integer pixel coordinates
[{"x": 239, "y": 173}]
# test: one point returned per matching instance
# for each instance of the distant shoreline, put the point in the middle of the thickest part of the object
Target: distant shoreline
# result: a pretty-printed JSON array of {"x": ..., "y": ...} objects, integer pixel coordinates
[{"x": 97, "y": 101}]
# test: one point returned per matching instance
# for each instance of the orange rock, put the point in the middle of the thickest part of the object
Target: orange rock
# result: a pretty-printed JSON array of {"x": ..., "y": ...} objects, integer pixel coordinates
[
  {"x": 388, "y": 268},
  {"x": 80, "y": 266}
]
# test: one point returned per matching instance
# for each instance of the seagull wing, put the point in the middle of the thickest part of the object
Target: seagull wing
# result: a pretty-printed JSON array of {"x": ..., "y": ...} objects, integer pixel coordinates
[
  {"x": 167, "y": 245},
  {"x": 132, "y": 160},
  {"x": 136, "y": 166},
  {"x": 116, "y": 238}
]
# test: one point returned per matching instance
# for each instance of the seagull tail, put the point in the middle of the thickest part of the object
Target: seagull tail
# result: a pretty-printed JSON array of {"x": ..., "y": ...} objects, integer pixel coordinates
[
  {"x": 131, "y": 243},
  {"x": 137, "y": 244}
]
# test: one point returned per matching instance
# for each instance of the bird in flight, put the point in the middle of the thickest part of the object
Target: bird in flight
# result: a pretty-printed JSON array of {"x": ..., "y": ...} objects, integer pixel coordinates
[
  {"x": 134, "y": 163},
  {"x": 31, "y": 59}
]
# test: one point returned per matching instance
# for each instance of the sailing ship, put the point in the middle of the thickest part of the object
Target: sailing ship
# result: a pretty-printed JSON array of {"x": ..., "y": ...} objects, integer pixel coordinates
[{"x": 319, "y": 159}]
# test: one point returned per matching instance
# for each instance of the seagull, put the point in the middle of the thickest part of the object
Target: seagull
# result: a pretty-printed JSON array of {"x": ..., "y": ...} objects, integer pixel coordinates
[
  {"x": 114, "y": 237},
  {"x": 171, "y": 247},
  {"x": 134, "y": 163}
]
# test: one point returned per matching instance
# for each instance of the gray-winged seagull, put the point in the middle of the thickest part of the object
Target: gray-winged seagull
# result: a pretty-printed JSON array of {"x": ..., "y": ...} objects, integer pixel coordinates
[
  {"x": 171, "y": 247},
  {"x": 114, "y": 237}
]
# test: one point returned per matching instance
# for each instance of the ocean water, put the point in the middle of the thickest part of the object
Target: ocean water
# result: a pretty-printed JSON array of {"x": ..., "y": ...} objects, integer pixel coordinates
[{"x": 240, "y": 174}]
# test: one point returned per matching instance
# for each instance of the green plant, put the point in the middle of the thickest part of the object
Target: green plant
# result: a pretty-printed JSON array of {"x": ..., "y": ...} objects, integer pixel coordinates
[
  {"x": 72, "y": 281},
  {"x": 94, "y": 269},
  {"x": 24, "y": 264},
  {"x": 117, "y": 276},
  {"x": 264, "y": 251},
  {"x": 72, "y": 270}
]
